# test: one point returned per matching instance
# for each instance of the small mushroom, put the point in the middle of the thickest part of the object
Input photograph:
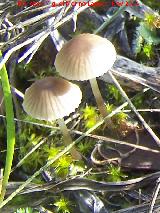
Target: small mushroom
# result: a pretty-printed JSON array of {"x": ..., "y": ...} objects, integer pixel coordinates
[
  {"x": 86, "y": 57},
  {"x": 51, "y": 99}
]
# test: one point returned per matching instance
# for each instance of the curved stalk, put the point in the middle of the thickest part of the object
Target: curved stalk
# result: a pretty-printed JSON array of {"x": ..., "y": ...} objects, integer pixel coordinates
[
  {"x": 99, "y": 100},
  {"x": 10, "y": 128},
  {"x": 67, "y": 139}
]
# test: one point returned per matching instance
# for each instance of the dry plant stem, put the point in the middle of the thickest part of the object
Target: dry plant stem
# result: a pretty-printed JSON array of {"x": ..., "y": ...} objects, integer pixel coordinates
[
  {"x": 155, "y": 194},
  {"x": 30, "y": 40},
  {"x": 67, "y": 139},
  {"x": 147, "y": 127},
  {"x": 99, "y": 100},
  {"x": 108, "y": 21}
]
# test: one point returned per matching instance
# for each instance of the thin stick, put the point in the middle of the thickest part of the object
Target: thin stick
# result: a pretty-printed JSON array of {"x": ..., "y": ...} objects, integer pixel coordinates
[
  {"x": 98, "y": 137},
  {"x": 155, "y": 194},
  {"x": 29, "y": 153},
  {"x": 108, "y": 21},
  {"x": 147, "y": 127},
  {"x": 114, "y": 141}
]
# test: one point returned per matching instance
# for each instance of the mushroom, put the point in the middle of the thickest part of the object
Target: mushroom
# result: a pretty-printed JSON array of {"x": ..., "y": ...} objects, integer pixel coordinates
[
  {"x": 51, "y": 99},
  {"x": 86, "y": 57}
]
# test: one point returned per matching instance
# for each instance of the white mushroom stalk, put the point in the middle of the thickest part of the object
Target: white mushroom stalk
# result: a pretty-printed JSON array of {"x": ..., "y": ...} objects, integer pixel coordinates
[
  {"x": 51, "y": 99},
  {"x": 99, "y": 100},
  {"x": 67, "y": 138},
  {"x": 86, "y": 57}
]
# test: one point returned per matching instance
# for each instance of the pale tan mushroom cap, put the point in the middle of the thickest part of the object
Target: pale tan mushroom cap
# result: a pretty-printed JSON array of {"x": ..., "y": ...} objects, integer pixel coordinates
[
  {"x": 51, "y": 98},
  {"x": 84, "y": 57}
]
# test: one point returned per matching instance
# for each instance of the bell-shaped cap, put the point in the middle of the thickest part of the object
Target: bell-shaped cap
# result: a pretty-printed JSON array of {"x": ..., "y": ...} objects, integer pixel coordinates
[
  {"x": 51, "y": 98},
  {"x": 84, "y": 57}
]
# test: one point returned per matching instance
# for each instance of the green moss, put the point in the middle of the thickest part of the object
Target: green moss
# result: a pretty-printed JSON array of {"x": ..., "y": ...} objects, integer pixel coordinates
[
  {"x": 63, "y": 205},
  {"x": 115, "y": 174}
]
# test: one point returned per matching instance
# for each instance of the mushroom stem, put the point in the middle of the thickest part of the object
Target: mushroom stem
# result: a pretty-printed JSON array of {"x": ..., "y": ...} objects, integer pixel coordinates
[
  {"x": 67, "y": 139},
  {"x": 99, "y": 99}
]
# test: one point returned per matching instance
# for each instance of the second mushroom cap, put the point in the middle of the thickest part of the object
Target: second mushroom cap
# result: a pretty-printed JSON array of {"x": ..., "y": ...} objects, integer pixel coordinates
[{"x": 51, "y": 98}]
